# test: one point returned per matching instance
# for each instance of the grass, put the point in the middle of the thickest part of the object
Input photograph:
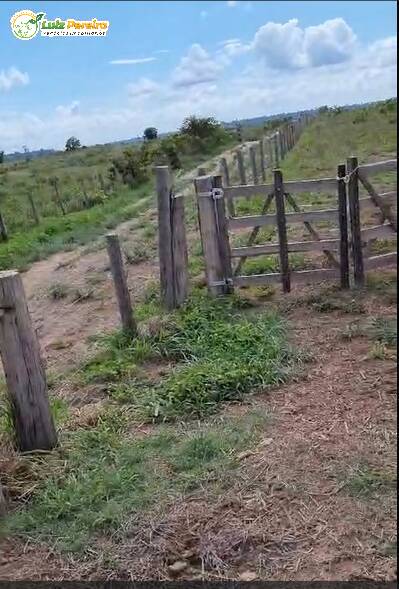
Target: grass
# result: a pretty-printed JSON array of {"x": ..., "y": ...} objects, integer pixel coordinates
[
  {"x": 363, "y": 481},
  {"x": 99, "y": 478},
  {"x": 218, "y": 353}
]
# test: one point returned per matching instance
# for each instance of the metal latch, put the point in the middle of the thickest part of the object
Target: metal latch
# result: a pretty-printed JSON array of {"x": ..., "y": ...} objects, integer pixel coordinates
[
  {"x": 215, "y": 193},
  {"x": 225, "y": 282}
]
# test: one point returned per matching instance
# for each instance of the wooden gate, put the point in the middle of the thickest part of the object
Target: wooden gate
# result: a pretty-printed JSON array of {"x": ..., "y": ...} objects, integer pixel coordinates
[{"x": 216, "y": 226}]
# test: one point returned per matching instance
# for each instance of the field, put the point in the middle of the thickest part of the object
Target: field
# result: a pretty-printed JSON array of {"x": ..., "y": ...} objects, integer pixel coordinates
[{"x": 251, "y": 437}]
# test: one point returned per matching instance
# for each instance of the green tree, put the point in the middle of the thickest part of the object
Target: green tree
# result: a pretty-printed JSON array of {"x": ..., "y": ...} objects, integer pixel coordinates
[
  {"x": 199, "y": 127},
  {"x": 150, "y": 133},
  {"x": 72, "y": 144}
]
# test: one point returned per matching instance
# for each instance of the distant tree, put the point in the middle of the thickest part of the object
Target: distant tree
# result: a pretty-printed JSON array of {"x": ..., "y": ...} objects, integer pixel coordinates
[
  {"x": 26, "y": 152},
  {"x": 199, "y": 127},
  {"x": 1, "y": 157},
  {"x": 150, "y": 133},
  {"x": 72, "y": 144},
  {"x": 323, "y": 110}
]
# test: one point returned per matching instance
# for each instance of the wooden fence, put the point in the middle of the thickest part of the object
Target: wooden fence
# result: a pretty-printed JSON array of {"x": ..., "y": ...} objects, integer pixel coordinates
[{"x": 216, "y": 225}]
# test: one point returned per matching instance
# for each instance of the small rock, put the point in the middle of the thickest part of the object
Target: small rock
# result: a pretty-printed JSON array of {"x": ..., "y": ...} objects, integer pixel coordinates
[
  {"x": 248, "y": 576},
  {"x": 177, "y": 567}
]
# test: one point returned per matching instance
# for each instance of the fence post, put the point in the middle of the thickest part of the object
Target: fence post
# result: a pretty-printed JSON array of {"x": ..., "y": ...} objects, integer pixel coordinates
[
  {"x": 282, "y": 230},
  {"x": 121, "y": 288},
  {"x": 241, "y": 168},
  {"x": 54, "y": 183},
  {"x": 3, "y": 229},
  {"x": 354, "y": 210},
  {"x": 225, "y": 171},
  {"x": 269, "y": 142},
  {"x": 23, "y": 368},
  {"x": 172, "y": 244},
  {"x": 276, "y": 154},
  {"x": 262, "y": 160},
  {"x": 252, "y": 157},
  {"x": 213, "y": 229},
  {"x": 343, "y": 227},
  {"x": 33, "y": 208}
]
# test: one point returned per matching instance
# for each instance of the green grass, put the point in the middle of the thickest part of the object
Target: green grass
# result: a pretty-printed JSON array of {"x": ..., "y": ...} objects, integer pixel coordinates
[
  {"x": 219, "y": 353},
  {"x": 363, "y": 481},
  {"x": 99, "y": 478},
  {"x": 384, "y": 330}
]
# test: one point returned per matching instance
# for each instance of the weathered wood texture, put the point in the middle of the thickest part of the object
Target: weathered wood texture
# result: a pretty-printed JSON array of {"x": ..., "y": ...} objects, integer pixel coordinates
[
  {"x": 282, "y": 230},
  {"x": 3, "y": 229},
  {"x": 353, "y": 196},
  {"x": 172, "y": 242},
  {"x": 224, "y": 168},
  {"x": 296, "y": 277},
  {"x": 24, "y": 371},
  {"x": 208, "y": 210},
  {"x": 343, "y": 227},
  {"x": 262, "y": 161},
  {"x": 241, "y": 167},
  {"x": 121, "y": 288},
  {"x": 379, "y": 202},
  {"x": 252, "y": 157},
  {"x": 262, "y": 220}
]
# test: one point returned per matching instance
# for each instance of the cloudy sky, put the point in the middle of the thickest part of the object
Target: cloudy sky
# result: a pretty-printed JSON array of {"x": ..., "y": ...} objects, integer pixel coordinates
[{"x": 162, "y": 61}]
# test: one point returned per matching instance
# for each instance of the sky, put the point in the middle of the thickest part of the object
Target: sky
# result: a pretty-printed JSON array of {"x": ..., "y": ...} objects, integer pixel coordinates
[{"x": 162, "y": 61}]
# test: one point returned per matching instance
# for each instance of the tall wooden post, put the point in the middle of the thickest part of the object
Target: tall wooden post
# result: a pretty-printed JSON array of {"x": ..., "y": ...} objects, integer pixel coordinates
[
  {"x": 262, "y": 161},
  {"x": 33, "y": 209},
  {"x": 252, "y": 157},
  {"x": 23, "y": 368},
  {"x": 122, "y": 291},
  {"x": 354, "y": 210},
  {"x": 276, "y": 153},
  {"x": 224, "y": 170},
  {"x": 54, "y": 183},
  {"x": 213, "y": 228},
  {"x": 241, "y": 167},
  {"x": 172, "y": 245},
  {"x": 282, "y": 230},
  {"x": 3, "y": 229},
  {"x": 343, "y": 227}
]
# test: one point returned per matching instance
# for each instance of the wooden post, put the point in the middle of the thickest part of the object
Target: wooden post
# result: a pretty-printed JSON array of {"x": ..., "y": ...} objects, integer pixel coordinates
[
  {"x": 223, "y": 234},
  {"x": 3, "y": 229},
  {"x": 353, "y": 196},
  {"x": 54, "y": 182},
  {"x": 282, "y": 230},
  {"x": 276, "y": 154},
  {"x": 3, "y": 503},
  {"x": 33, "y": 208},
  {"x": 213, "y": 234},
  {"x": 172, "y": 244},
  {"x": 23, "y": 368},
  {"x": 241, "y": 168},
  {"x": 224, "y": 170},
  {"x": 262, "y": 161},
  {"x": 201, "y": 172},
  {"x": 179, "y": 249},
  {"x": 269, "y": 141},
  {"x": 121, "y": 289},
  {"x": 164, "y": 189},
  {"x": 343, "y": 227},
  {"x": 252, "y": 157}
]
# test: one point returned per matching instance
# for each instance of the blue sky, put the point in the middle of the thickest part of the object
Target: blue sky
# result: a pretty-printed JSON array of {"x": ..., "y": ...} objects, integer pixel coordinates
[{"x": 229, "y": 59}]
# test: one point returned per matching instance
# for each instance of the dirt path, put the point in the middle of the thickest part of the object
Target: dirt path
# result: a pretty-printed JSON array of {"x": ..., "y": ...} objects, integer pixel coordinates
[
  {"x": 289, "y": 513},
  {"x": 63, "y": 325}
]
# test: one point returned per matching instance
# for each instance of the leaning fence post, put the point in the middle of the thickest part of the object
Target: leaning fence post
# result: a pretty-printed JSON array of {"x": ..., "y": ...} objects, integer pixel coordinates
[
  {"x": 33, "y": 208},
  {"x": 343, "y": 227},
  {"x": 354, "y": 210},
  {"x": 252, "y": 157},
  {"x": 241, "y": 168},
  {"x": 3, "y": 229},
  {"x": 282, "y": 230},
  {"x": 225, "y": 171},
  {"x": 262, "y": 160},
  {"x": 120, "y": 282},
  {"x": 23, "y": 368},
  {"x": 210, "y": 213},
  {"x": 179, "y": 249}
]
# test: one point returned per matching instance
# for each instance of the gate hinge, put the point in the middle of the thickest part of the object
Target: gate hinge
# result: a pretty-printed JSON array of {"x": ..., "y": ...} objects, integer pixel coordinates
[
  {"x": 225, "y": 282},
  {"x": 215, "y": 193}
]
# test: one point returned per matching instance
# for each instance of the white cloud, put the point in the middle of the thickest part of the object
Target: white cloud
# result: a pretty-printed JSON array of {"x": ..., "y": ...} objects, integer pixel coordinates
[
  {"x": 195, "y": 68},
  {"x": 232, "y": 3},
  {"x": 289, "y": 46},
  {"x": 12, "y": 77},
  {"x": 69, "y": 109},
  {"x": 144, "y": 87},
  {"x": 132, "y": 61}
]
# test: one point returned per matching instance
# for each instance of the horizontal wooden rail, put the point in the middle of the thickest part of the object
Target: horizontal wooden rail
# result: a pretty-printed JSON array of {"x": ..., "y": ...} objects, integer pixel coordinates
[
  {"x": 299, "y": 277},
  {"x": 262, "y": 220},
  {"x": 377, "y": 232},
  {"x": 294, "y": 246},
  {"x": 328, "y": 185},
  {"x": 377, "y": 167},
  {"x": 381, "y": 261}
]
